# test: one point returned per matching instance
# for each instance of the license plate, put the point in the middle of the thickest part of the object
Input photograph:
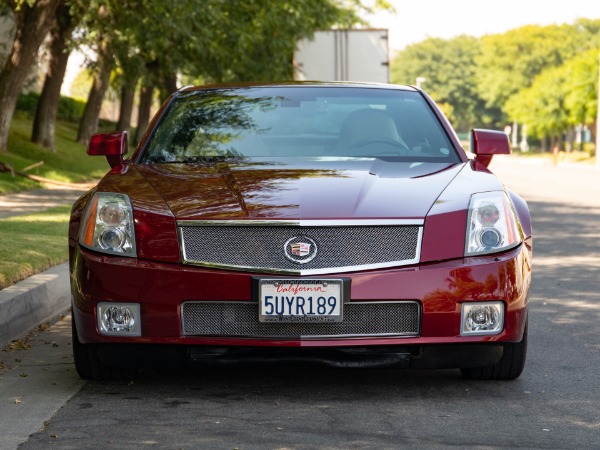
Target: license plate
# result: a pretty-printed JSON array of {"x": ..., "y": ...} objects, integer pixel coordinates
[{"x": 300, "y": 300}]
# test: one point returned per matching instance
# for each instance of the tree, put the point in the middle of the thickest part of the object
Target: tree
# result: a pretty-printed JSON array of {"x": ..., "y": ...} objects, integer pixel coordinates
[
  {"x": 102, "y": 24},
  {"x": 562, "y": 97},
  {"x": 146, "y": 97},
  {"x": 541, "y": 106},
  {"x": 581, "y": 96},
  {"x": 448, "y": 65},
  {"x": 224, "y": 41},
  {"x": 134, "y": 34},
  {"x": 33, "y": 20},
  {"x": 128, "y": 87},
  {"x": 261, "y": 36},
  {"x": 45, "y": 116},
  {"x": 91, "y": 113},
  {"x": 510, "y": 62}
]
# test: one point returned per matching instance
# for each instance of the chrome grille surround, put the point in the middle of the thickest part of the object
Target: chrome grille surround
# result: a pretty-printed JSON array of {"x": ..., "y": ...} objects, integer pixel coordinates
[
  {"x": 361, "y": 319},
  {"x": 258, "y": 245}
]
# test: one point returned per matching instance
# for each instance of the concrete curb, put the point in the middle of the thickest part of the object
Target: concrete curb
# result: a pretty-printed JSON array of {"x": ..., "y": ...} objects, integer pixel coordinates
[{"x": 33, "y": 301}]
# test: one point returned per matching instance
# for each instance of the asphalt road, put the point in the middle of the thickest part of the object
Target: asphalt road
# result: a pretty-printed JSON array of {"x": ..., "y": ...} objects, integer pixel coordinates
[{"x": 554, "y": 404}]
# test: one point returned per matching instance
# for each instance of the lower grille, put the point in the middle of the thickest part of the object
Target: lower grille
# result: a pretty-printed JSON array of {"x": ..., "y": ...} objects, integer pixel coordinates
[{"x": 240, "y": 319}]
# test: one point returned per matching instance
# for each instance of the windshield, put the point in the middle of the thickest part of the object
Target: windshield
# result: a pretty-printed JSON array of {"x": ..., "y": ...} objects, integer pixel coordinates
[{"x": 300, "y": 121}]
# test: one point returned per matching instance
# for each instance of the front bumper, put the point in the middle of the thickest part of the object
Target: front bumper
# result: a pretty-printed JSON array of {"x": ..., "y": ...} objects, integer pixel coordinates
[
  {"x": 140, "y": 356},
  {"x": 440, "y": 289}
]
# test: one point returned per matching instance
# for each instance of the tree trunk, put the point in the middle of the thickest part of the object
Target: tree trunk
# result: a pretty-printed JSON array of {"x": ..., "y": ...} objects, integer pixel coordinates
[
  {"x": 144, "y": 111},
  {"x": 91, "y": 113},
  {"x": 169, "y": 86},
  {"x": 32, "y": 26},
  {"x": 126, "y": 107},
  {"x": 569, "y": 146},
  {"x": 544, "y": 143},
  {"x": 47, "y": 108}
]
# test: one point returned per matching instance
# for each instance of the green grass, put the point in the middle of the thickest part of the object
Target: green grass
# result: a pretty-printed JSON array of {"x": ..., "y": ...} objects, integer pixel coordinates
[
  {"x": 32, "y": 243},
  {"x": 68, "y": 163},
  {"x": 35, "y": 242}
]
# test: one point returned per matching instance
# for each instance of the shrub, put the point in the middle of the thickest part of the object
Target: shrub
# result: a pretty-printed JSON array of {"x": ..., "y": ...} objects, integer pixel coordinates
[
  {"x": 28, "y": 103},
  {"x": 69, "y": 109}
]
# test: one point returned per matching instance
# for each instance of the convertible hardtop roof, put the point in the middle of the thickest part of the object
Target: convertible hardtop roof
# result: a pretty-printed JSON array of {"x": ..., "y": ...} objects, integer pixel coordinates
[{"x": 341, "y": 84}]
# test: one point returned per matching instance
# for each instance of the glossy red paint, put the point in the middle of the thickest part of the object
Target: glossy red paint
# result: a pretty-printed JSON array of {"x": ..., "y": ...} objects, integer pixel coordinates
[
  {"x": 447, "y": 244},
  {"x": 434, "y": 194},
  {"x": 487, "y": 143},
  {"x": 445, "y": 225},
  {"x": 305, "y": 189},
  {"x": 161, "y": 288},
  {"x": 111, "y": 145},
  {"x": 351, "y": 190}
]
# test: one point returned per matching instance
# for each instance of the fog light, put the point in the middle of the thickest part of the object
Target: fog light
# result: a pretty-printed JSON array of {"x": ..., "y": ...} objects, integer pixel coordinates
[
  {"x": 482, "y": 318},
  {"x": 119, "y": 319}
]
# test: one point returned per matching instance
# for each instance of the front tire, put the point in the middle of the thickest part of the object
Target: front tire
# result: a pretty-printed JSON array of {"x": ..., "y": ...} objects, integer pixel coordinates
[
  {"x": 88, "y": 364},
  {"x": 509, "y": 367}
]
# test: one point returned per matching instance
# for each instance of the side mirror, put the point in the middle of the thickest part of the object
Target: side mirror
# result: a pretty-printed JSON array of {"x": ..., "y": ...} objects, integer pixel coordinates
[
  {"x": 487, "y": 143},
  {"x": 111, "y": 145}
]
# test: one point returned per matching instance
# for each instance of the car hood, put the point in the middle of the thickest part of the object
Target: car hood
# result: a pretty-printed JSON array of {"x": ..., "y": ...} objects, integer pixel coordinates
[{"x": 299, "y": 188}]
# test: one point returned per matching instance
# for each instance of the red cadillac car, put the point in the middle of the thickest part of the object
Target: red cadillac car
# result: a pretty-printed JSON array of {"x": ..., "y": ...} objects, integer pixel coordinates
[{"x": 322, "y": 223}]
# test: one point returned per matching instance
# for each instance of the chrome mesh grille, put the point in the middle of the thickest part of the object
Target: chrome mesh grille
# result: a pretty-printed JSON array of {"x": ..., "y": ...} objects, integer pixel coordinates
[
  {"x": 261, "y": 248},
  {"x": 240, "y": 319}
]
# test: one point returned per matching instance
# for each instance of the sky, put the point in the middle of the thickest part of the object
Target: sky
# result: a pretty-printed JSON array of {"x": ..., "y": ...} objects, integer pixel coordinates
[{"x": 416, "y": 20}]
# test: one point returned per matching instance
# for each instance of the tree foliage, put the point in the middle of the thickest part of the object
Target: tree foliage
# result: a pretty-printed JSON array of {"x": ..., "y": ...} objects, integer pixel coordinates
[
  {"x": 33, "y": 20},
  {"x": 563, "y": 94},
  {"x": 559, "y": 97},
  {"x": 448, "y": 66},
  {"x": 510, "y": 62},
  {"x": 541, "y": 106},
  {"x": 225, "y": 40},
  {"x": 264, "y": 35},
  {"x": 581, "y": 96},
  {"x": 543, "y": 76}
]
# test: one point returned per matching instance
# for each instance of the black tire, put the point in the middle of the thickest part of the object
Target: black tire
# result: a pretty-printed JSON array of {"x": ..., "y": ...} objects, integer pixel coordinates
[
  {"x": 509, "y": 367},
  {"x": 89, "y": 366}
]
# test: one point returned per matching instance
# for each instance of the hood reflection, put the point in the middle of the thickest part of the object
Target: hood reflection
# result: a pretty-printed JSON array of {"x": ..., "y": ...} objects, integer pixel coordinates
[{"x": 300, "y": 188}]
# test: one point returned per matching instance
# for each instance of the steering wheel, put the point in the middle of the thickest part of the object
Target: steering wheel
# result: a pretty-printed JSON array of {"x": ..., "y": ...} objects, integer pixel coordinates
[
  {"x": 378, "y": 140},
  {"x": 384, "y": 141}
]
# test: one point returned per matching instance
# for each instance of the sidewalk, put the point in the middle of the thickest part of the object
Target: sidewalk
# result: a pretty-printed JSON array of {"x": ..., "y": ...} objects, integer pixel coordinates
[
  {"x": 37, "y": 377},
  {"x": 42, "y": 297},
  {"x": 38, "y": 200}
]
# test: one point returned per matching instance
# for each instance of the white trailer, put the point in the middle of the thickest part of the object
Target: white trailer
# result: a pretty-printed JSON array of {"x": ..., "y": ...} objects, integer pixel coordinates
[{"x": 344, "y": 55}]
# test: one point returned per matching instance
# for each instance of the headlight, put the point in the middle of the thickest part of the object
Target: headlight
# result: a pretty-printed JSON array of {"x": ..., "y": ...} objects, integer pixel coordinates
[
  {"x": 491, "y": 225},
  {"x": 107, "y": 226}
]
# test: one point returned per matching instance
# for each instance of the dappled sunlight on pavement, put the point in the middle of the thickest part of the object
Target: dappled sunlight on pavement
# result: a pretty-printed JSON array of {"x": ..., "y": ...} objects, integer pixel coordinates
[{"x": 37, "y": 200}]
